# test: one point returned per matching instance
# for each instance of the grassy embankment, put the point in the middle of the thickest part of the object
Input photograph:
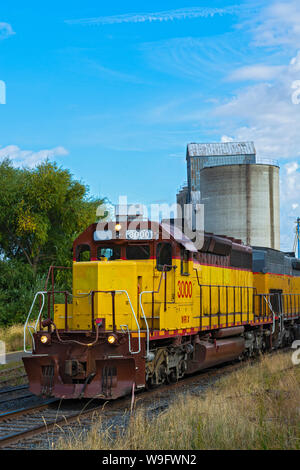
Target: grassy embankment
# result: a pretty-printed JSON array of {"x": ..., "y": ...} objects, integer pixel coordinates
[
  {"x": 256, "y": 407},
  {"x": 13, "y": 337}
]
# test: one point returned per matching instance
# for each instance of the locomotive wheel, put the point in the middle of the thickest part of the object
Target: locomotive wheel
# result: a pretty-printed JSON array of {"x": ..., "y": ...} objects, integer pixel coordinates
[
  {"x": 172, "y": 376},
  {"x": 162, "y": 374}
]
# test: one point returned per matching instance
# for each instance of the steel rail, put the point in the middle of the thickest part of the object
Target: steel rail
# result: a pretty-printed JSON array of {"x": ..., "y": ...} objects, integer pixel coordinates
[
  {"x": 44, "y": 427},
  {"x": 13, "y": 389},
  {"x": 19, "y": 397},
  {"x": 22, "y": 411}
]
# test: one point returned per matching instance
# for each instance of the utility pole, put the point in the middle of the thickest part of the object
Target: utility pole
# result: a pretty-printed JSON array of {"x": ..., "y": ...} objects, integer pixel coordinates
[{"x": 297, "y": 236}]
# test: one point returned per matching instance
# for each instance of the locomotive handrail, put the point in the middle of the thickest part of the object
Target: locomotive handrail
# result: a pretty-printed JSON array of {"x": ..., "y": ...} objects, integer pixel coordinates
[
  {"x": 51, "y": 271},
  {"x": 129, "y": 340},
  {"x": 282, "y": 296},
  {"x": 219, "y": 313},
  {"x": 113, "y": 292},
  {"x": 29, "y": 327},
  {"x": 281, "y": 314},
  {"x": 137, "y": 324},
  {"x": 143, "y": 313},
  {"x": 273, "y": 313}
]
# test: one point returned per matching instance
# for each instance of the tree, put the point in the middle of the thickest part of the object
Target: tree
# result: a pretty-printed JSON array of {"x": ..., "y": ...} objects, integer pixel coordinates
[{"x": 42, "y": 210}]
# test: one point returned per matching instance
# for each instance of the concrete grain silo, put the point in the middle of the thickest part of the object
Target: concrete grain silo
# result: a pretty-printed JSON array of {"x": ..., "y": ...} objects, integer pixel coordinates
[{"x": 240, "y": 192}]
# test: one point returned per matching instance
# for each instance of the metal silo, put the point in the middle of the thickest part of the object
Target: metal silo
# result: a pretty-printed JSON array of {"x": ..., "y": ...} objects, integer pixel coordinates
[{"x": 240, "y": 192}]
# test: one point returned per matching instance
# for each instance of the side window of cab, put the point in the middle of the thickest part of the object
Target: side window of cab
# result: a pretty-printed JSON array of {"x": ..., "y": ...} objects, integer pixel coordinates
[
  {"x": 83, "y": 253},
  {"x": 185, "y": 256},
  {"x": 164, "y": 256}
]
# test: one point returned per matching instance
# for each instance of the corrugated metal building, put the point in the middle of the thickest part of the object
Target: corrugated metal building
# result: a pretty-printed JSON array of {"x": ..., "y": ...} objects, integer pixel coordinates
[
  {"x": 199, "y": 156},
  {"x": 182, "y": 197},
  {"x": 240, "y": 191}
]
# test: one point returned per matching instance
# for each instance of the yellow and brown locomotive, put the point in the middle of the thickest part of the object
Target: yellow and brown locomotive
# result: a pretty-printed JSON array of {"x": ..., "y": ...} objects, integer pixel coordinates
[{"x": 147, "y": 308}]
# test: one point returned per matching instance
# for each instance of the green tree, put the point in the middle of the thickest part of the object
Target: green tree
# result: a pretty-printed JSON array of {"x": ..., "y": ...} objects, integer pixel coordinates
[{"x": 42, "y": 210}]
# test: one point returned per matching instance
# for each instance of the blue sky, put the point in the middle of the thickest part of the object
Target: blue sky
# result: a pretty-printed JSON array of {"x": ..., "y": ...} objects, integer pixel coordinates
[{"x": 115, "y": 91}]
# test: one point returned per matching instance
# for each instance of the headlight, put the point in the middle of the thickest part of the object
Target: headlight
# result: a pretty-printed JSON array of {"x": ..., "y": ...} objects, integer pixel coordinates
[
  {"x": 44, "y": 339},
  {"x": 111, "y": 339}
]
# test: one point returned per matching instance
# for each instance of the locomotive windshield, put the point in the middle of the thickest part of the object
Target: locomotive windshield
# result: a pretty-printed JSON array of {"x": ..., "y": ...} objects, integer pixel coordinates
[
  {"x": 137, "y": 252},
  {"x": 132, "y": 252},
  {"x": 109, "y": 252}
]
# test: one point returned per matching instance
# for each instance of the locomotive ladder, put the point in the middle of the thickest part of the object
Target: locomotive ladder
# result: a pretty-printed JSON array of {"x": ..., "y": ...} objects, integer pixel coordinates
[
  {"x": 163, "y": 276},
  {"x": 280, "y": 313}
]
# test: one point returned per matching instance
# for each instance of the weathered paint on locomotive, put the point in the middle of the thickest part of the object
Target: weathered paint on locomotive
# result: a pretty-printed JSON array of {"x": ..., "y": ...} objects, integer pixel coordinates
[
  {"x": 182, "y": 309},
  {"x": 265, "y": 282},
  {"x": 193, "y": 298}
]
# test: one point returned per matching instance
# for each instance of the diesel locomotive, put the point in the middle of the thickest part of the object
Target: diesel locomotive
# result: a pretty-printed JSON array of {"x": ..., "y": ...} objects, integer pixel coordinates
[{"x": 147, "y": 307}]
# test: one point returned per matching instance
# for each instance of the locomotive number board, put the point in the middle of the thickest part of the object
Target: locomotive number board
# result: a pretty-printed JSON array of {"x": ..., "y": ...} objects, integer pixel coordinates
[{"x": 139, "y": 234}]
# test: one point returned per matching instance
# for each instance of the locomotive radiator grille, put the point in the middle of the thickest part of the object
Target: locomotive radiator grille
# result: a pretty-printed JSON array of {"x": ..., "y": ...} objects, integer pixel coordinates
[
  {"x": 47, "y": 379},
  {"x": 109, "y": 379}
]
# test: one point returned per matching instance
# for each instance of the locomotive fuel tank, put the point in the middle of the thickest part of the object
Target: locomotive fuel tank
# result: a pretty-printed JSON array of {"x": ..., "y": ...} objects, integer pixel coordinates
[{"x": 210, "y": 353}]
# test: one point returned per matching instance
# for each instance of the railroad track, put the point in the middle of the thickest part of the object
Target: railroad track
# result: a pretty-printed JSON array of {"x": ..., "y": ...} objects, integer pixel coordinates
[
  {"x": 36, "y": 423},
  {"x": 12, "y": 375},
  {"x": 27, "y": 427},
  {"x": 10, "y": 369},
  {"x": 11, "y": 379},
  {"x": 20, "y": 424},
  {"x": 10, "y": 389},
  {"x": 13, "y": 393}
]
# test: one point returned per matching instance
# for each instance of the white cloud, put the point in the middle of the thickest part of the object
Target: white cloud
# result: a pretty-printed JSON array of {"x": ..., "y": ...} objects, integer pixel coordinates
[
  {"x": 178, "y": 14},
  {"x": 276, "y": 126},
  {"x": 5, "y": 30},
  {"x": 30, "y": 158},
  {"x": 113, "y": 74},
  {"x": 256, "y": 72},
  {"x": 265, "y": 113},
  {"x": 202, "y": 59},
  {"x": 226, "y": 138},
  {"x": 291, "y": 168},
  {"x": 277, "y": 24},
  {"x": 268, "y": 112}
]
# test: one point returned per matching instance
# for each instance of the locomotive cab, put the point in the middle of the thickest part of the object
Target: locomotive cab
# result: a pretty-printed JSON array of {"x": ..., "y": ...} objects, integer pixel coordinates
[
  {"x": 107, "y": 286},
  {"x": 101, "y": 328}
]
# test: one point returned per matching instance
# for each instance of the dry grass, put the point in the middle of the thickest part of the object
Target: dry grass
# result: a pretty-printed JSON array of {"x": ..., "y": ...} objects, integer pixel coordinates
[
  {"x": 13, "y": 337},
  {"x": 257, "y": 407}
]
